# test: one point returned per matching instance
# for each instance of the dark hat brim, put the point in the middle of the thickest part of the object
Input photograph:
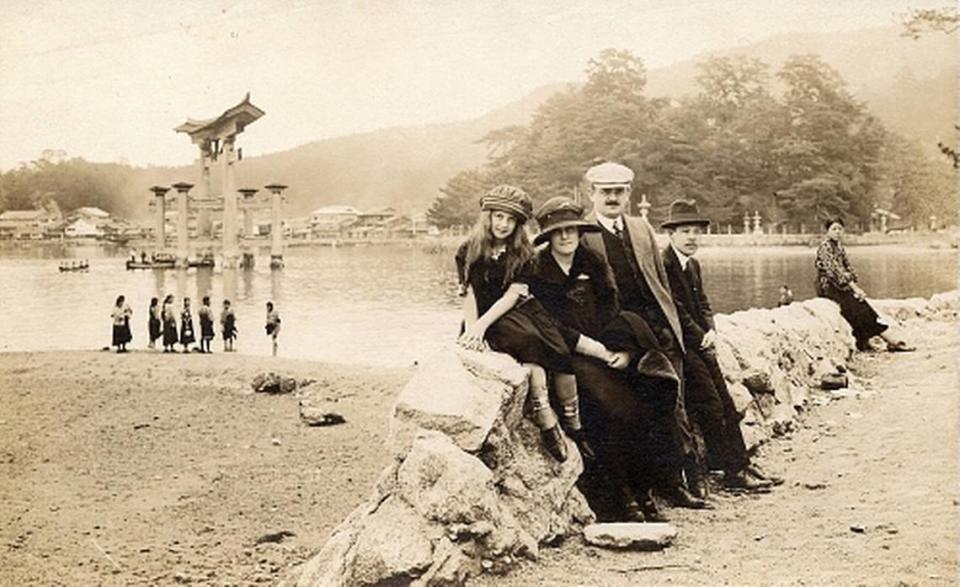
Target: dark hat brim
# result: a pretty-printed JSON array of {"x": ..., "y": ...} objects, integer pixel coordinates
[
  {"x": 582, "y": 225},
  {"x": 684, "y": 222}
]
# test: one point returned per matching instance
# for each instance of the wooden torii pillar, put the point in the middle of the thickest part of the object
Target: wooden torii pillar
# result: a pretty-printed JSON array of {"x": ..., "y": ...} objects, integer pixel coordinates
[
  {"x": 276, "y": 224},
  {"x": 248, "y": 204},
  {"x": 216, "y": 138},
  {"x": 160, "y": 232}
]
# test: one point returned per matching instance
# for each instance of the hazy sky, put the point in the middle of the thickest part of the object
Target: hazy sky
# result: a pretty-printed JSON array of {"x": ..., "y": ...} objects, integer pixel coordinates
[{"x": 109, "y": 79}]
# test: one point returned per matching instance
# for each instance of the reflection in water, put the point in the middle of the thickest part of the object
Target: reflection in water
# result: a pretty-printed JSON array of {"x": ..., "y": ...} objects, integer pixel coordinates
[
  {"x": 248, "y": 278},
  {"x": 160, "y": 280},
  {"x": 181, "y": 284},
  {"x": 204, "y": 282},
  {"x": 378, "y": 305},
  {"x": 276, "y": 291},
  {"x": 230, "y": 284}
]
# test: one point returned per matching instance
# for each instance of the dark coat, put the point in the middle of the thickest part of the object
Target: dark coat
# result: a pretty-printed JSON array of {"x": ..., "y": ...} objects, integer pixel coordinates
[
  {"x": 687, "y": 288},
  {"x": 585, "y": 302},
  {"x": 708, "y": 399},
  {"x": 647, "y": 256}
]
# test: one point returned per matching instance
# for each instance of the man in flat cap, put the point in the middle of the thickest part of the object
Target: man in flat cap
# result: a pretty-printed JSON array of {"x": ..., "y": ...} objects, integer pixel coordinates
[
  {"x": 706, "y": 397},
  {"x": 627, "y": 244}
]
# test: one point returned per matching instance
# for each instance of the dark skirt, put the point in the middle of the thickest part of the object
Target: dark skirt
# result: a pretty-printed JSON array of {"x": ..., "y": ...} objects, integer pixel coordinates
[
  {"x": 858, "y": 313},
  {"x": 121, "y": 334},
  {"x": 529, "y": 335},
  {"x": 229, "y": 329},
  {"x": 206, "y": 329},
  {"x": 154, "y": 328},
  {"x": 186, "y": 332},
  {"x": 170, "y": 332}
]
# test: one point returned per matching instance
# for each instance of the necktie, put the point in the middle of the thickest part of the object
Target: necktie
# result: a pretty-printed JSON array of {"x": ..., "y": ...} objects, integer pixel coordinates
[{"x": 617, "y": 229}]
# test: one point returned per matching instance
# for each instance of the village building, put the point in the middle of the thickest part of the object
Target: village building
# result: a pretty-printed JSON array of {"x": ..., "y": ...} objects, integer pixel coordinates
[
  {"x": 29, "y": 224},
  {"x": 82, "y": 228},
  {"x": 333, "y": 222}
]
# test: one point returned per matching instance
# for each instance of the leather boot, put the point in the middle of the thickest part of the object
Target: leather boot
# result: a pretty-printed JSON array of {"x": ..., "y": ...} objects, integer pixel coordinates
[
  {"x": 696, "y": 480},
  {"x": 632, "y": 511},
  {"x": 743, "y": 481},
  {"x": 554, "y": 442},
  {"x": 586, "y": 451},
  {"x": 651, "y": 511}
]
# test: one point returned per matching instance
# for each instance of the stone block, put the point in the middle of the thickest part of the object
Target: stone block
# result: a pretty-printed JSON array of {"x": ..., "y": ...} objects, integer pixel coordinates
[
  {"x": 444, "y": 396},
  {"x": 741, "y": 396},
  {"x": 627, "y": 535}
]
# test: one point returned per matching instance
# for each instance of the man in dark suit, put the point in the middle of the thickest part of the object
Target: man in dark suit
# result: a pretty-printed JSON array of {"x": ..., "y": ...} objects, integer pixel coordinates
[
  {"x": 627, "y": 244},
  {"x": 708, "y": 402}
]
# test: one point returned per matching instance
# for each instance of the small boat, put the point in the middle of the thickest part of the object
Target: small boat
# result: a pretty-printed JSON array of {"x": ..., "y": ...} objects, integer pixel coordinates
[
  {"x": 204, "y": 262},
  {"x": 165, "y": 264},
  {"x": 68, "y": 268}
]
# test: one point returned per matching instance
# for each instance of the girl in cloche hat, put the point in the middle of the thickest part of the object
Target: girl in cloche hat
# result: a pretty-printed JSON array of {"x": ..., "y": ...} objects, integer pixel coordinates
[{"x": 498, "y": 311}]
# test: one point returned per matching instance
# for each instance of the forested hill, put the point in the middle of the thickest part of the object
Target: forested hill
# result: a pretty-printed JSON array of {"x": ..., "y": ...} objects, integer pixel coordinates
[{"x": 909, "y": 84}]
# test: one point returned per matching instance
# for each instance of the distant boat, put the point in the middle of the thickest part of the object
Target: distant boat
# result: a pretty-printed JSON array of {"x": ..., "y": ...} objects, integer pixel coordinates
[
  {"x": 160, "y": 264},
  {"x": 205, "y": 262},
  {"x": 66, "y": 268}
]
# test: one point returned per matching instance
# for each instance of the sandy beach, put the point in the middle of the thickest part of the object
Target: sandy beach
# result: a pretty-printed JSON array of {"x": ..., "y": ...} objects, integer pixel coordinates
[
  {"x": 150, "y": 468},
  {"x": 153, "y": 468}
]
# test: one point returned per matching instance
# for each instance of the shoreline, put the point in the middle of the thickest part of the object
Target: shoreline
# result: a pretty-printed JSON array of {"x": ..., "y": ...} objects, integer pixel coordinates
[
  {"x": 128, "y": 470},
  {"x": 945, "y": 239}
]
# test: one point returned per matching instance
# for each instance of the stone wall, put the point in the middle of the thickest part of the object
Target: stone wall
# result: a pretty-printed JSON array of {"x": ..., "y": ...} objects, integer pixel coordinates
[{"x": 472, "y": 490}]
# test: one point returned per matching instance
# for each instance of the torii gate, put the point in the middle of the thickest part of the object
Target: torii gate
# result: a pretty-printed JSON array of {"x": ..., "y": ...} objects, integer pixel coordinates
[{"x": 216, "y": 139}]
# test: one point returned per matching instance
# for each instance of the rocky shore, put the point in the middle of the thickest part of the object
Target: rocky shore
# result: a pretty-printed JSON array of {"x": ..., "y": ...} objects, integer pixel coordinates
[{"x": 471, "y": 492}]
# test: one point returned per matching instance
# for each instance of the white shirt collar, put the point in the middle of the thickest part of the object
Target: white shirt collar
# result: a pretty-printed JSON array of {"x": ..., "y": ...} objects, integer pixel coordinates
[
  {"x": 610, "y": 223},
  {"x": 683, "y": 258}
]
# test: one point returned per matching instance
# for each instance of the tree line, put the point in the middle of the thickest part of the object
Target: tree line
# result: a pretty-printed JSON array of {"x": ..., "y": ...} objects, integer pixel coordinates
[
  {"x": 795, "y": 145},
  {"x": 70, "y": 182}
]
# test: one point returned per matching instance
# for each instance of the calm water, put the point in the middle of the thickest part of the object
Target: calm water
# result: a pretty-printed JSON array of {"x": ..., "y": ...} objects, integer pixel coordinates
[{"x": 372, "y": 305}]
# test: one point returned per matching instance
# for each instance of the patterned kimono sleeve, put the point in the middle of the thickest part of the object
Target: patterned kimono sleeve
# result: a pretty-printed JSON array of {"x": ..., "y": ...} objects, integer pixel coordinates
[{"x": 833, "y": 266}]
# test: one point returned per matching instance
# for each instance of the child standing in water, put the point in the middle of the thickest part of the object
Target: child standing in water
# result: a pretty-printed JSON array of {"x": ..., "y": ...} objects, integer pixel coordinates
[
  {"x": 169, "y": 325},
  {"x": 498, "y": 311},
  {"x": 273, "y": 325},
  {"x": 121, "y": 324},
  {"x": 206, "y": 325},
  {"x": 228, "y": 324},
  {"x": 154, "y": 323},
  {"x": 186, "y": 326}
]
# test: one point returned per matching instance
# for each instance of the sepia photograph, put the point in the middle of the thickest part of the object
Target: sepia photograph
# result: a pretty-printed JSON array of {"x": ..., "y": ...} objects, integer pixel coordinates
[{"x": 452, "y": 292}]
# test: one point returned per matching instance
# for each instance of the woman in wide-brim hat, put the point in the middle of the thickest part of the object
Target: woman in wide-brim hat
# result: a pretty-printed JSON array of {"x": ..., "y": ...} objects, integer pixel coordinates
[{"x": 619, "y": 355}]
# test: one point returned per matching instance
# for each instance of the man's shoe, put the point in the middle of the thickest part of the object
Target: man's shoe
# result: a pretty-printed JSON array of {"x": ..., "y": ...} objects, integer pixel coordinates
[
  {"x": 632, "y": 512},
  {"x": 741, "y": 480},
  {"x": 697, "y": 483},
  {"x": 681, "y": 498},
  {"x": 758, "y": 473},
  {"x": 651, "y": 511},
  {"x": 554, "y": 443}
]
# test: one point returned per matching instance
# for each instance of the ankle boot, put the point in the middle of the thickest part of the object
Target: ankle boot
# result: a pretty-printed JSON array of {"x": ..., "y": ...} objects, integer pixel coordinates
[
  {"x": 554, "y": 442},
  {"x": 580, "y": 439}
]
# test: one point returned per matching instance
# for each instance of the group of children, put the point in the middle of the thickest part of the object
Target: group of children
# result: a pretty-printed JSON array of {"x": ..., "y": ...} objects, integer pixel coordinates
[{"x": 162, "y": 323}]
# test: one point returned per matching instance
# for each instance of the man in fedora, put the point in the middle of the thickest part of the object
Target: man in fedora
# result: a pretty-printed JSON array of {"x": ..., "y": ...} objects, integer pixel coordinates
[
  {"x": 708, "y": 402},
  {"x": 627, "y": 244}
]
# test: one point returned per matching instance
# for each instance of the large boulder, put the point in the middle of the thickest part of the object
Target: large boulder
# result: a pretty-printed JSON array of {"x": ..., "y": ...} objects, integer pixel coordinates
[
  {"x": 472, "y": 489},
  {"x": 771, "y": 358}
]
